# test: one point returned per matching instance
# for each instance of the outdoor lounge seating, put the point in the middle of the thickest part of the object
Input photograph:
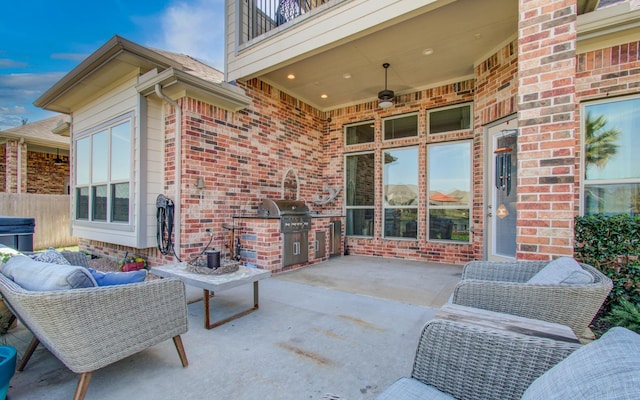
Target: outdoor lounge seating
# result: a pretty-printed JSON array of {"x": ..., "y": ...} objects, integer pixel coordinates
[
  {"x": 504, "y": 287},
  {"x": 91, "y": 327},
  {"x": 456, "y": 360}
]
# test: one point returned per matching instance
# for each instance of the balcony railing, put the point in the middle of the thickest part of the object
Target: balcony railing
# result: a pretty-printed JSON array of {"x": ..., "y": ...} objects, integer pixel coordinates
[{"x": 261, "y": 16}]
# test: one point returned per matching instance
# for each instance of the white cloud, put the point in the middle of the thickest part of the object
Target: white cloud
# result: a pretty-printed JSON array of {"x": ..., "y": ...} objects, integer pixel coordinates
[
  {"x": 7, "y": 63},
  {"x": 195, "y": 29},
  {"x": 18, "y": 92}
]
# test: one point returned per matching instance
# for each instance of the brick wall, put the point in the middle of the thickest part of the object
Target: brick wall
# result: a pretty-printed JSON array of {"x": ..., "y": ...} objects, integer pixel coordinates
[
  {"x": 547, "y": 120},
  {"x": 608, "y": 72},
  {"x": 43, "y": 176},
  {"x": 241, "y": 158},
  {"x": 38, "y": 174},
  {"x": 418, "y": 102}
]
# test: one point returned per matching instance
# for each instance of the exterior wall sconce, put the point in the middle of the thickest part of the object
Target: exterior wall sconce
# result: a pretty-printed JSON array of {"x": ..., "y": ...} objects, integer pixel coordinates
[{"x": 199, "y": 183}]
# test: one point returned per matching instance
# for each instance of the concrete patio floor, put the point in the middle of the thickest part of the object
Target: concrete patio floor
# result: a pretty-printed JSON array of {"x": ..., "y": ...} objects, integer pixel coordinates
[{"x": 347, "y": 327}]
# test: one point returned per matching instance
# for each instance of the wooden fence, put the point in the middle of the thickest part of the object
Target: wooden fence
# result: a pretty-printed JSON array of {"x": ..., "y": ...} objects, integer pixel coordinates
[{"x": 51, "y": 213}]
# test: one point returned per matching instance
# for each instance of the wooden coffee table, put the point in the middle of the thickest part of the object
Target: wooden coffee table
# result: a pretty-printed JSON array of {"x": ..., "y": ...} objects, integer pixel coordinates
[
  {"x": 507, "y": 322},
  {"x": 211, "y": 283}
]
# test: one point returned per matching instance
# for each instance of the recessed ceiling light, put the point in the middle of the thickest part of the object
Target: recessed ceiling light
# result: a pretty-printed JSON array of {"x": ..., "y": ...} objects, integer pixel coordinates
[
  {"x": 477, "y": 35},
  {"x": 324, "y": 96},
  {"x": 347, "y": 76},
  {"x": 291, "y": 76},
  {"x": 427, "y": 52}
]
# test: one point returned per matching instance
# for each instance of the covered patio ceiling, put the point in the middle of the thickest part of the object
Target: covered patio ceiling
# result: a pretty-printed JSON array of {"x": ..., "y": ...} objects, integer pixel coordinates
[{"x": 438, "y": 45}]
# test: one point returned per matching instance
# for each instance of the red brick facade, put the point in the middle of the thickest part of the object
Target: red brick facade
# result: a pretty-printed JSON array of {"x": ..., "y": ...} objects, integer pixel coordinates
[
  {"x": 38, "y": 173},
  {"x": 242, "y": 156},
  {"x": 548, "y": 125}
]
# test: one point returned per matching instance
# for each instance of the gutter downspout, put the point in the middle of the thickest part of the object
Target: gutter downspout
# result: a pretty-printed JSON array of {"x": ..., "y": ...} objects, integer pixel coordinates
[{"x": 178, "y": 171}]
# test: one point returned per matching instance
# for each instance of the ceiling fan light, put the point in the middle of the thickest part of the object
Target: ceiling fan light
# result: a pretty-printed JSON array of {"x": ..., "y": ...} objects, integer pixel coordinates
[
  {"x": 385, "y": 96},
  {"x": 385, "y": 103}
]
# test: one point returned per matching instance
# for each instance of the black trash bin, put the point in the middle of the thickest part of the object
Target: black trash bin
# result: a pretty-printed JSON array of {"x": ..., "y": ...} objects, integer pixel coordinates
[{"x": 17, "y": 232}]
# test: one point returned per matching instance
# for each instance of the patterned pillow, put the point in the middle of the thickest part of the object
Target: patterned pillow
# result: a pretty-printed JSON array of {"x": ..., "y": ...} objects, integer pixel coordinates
[{"x": 51, "y": 255}]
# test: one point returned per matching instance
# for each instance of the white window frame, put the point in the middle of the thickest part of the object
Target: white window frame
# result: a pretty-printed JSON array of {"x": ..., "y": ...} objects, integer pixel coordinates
[
  {"x": 384, "y": 207},
  {"x": 459, "y": 105},
  {"x": 348, "y": 207},
  {"x": 89, "y": 133},
  {"x": 583, "y": 179},
  {"x": 373, "y": 140},
  {"x": 400, "y": 116},
  {"x": 451, "y": 207}
]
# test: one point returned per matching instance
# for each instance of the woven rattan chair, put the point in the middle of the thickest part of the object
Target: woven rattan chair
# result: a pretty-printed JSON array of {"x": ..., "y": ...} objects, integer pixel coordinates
[
  {"x": 467, "y": 361},
  {"x": 502, "y": 287},
  {"x": 475, "y": 362},
  {"x": 90, "y": 328}
]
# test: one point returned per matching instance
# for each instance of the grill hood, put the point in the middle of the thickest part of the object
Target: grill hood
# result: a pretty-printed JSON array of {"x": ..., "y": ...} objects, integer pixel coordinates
[{"x": 278, "y": 208}]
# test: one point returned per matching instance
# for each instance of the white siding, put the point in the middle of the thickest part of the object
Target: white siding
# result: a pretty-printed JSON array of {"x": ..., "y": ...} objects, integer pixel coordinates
[
  {"x": 154, "y": 173},
  {"x": 119, "y": 99}
]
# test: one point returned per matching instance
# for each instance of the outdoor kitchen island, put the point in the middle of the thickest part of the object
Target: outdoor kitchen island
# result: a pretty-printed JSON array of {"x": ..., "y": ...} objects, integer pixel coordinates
[{"x": 284, "y": 235}]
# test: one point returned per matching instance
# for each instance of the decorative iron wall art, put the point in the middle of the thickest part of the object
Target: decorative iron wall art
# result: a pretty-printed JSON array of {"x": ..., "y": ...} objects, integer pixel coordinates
[{"x": 503, "y": 168}]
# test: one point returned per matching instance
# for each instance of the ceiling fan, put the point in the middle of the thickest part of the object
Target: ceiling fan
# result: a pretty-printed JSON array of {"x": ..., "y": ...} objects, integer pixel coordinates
[{"x": 385, "y": 96}]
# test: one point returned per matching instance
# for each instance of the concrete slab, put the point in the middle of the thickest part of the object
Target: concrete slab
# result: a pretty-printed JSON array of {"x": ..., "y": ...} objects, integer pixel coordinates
[
  {"x": 413, "y": 282},
  {"x": 306, "y": 341}
]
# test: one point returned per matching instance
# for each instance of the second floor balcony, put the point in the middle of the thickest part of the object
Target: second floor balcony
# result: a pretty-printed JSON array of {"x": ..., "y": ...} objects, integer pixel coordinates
[{"x": 261, "y": 16}]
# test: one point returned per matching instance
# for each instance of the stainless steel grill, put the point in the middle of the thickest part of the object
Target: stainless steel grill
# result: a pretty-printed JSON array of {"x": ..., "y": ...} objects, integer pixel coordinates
[
  {"x": 294, "y": 214},
  {"x": 295, "y": 223}
]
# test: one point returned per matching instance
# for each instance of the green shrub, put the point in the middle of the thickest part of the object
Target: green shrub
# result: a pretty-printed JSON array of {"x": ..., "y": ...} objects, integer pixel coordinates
[
  {"x": 625, "y": 314},
  {"x": 612, "y": 245}
]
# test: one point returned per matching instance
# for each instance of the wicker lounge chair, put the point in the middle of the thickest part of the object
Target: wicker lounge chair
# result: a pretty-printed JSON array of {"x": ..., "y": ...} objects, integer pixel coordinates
[
  {"x": 90, "y": 328},
  {"x": 455, "y": 360},
  {"x": 503, "y": 287}
]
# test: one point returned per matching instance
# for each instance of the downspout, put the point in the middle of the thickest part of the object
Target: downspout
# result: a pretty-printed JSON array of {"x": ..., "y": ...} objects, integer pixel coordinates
[{"x": 178, "y": 171}]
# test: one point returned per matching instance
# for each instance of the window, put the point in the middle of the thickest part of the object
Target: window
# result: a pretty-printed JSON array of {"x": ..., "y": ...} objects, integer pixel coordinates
[
  {"x": 449, "y": 189},
  {"x": 449, "y": 119},
  {"x": 401, "y": 127},
  {"x": 360, "y": 189},
  {"x": 103, "y": 173},
  {"x": 611, "y": 165},
  {"x": 360, "y": 133},
  {"x": 400, "y": 202}
]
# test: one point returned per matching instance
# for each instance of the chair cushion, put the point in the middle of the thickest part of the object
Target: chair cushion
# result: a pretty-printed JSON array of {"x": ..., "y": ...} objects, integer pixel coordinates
[
  {"x": 118, "y": 278},
  {"x": 563, "y": 270},
  {"x": 608, "y": 368},
  {"x": 412, "y": 389},
  {"x": 41, "y": 276}
]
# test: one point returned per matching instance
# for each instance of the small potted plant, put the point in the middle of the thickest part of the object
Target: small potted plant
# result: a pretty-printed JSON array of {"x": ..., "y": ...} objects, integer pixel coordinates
[{"x": 132, "y": 263}]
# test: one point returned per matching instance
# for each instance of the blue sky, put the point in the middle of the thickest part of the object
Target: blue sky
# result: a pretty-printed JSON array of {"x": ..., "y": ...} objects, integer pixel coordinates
[{"x": 42, "y": 40}]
